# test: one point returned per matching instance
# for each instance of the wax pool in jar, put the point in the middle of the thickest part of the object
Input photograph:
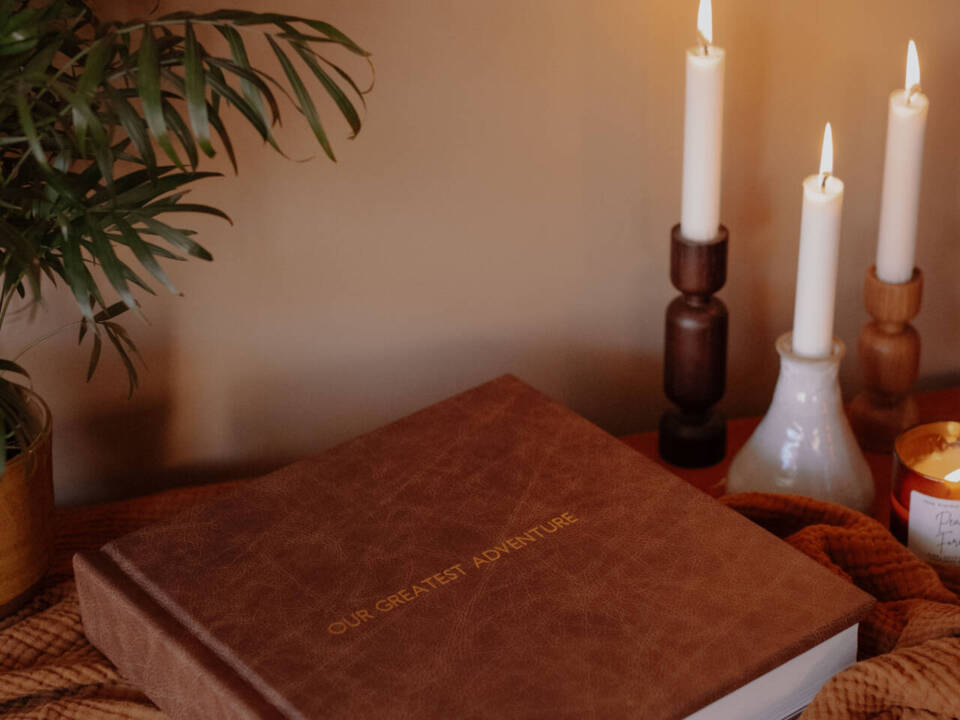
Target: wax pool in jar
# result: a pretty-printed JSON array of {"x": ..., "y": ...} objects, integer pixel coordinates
[{"x": 925, "y": 492}]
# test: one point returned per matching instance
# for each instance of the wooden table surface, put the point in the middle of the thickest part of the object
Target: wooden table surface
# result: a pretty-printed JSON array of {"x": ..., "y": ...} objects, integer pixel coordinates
[{"x": 935, "y": 405}]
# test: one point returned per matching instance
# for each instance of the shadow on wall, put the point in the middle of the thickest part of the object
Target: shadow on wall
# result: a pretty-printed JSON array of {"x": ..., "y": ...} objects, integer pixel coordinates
[
  {"x": 296, "y": 406},
  {"x": 105, "y": 444},
  {"x": 127, "y": 483},
  {"x": 940, "y": 381},
  {"x": 123, "y": 451},
  {"x": 111, "y": 447}
]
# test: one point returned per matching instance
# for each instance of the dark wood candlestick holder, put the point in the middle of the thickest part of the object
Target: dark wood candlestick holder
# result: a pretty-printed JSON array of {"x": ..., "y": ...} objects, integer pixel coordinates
[
  {"x": 695, "y": 353},
  {"x": 889, "y": 359}
]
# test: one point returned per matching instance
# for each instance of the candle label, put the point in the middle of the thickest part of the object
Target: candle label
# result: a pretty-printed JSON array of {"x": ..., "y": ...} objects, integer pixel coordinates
[{"x": 934, "y": 528}]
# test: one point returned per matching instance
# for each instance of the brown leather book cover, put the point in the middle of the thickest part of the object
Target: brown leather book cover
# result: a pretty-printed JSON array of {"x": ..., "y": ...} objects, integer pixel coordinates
[{"x": 494, "y": 555}]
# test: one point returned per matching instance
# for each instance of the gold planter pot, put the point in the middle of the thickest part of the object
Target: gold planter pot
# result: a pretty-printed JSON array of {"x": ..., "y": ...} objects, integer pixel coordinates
[{"x": 26, "y": 515}]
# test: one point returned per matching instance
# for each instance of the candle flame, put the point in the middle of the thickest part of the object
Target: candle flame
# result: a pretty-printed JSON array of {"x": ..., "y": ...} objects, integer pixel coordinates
[
  {"x": 826, "y": 154},
  {"x": 705, "y": 21},
  {"x": 913, "y": 68}
]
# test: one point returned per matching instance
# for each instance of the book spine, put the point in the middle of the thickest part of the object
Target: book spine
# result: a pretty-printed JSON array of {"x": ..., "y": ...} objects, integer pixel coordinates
[{"x": 155, "y": 652}]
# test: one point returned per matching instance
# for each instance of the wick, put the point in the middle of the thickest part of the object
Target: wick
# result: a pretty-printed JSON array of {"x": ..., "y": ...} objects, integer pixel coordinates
[
  {"x": 704, "y": 45},
  {"x": 823, "y": 181},
  {"x": 911, "y": 91}
]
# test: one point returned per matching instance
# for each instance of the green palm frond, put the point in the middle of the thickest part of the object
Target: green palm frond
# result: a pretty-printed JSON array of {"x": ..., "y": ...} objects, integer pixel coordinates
[{"x": 102, "y": 128}]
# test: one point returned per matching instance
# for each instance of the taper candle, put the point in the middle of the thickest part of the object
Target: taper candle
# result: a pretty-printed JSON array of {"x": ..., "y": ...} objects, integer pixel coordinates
[
  {"x": 702, "y": 134},
  {"x": 903, "y": 164},
  {"x": 817, "y": 264}
]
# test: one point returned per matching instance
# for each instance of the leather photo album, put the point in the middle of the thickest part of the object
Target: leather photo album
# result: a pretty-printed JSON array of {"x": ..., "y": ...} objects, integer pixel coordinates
[{"x": 492, "y": 556}]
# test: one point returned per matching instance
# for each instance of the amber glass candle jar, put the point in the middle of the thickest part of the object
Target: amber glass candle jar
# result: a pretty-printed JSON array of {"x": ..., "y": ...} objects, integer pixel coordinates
[{"x": 925, "y": 491}]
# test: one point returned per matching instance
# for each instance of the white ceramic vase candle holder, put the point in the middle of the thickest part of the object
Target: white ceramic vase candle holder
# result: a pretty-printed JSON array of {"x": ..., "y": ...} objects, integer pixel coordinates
[{"x": 804, "y": 444}]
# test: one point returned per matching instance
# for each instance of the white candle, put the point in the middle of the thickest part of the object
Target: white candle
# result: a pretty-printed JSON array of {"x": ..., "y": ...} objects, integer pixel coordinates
[
  {"x": 817, "y": 264},
  {"x": 906, "y": 123},
  {"x": 702, "y": 134}
]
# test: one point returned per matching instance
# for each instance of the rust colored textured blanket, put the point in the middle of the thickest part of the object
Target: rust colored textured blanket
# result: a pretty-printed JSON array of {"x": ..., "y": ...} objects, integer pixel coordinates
[
  {"x": 911, "y": 641},
  {"x": 910, "y": 644}
]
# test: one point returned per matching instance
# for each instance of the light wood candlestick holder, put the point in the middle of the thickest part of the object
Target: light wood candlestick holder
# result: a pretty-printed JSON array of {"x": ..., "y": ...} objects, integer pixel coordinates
[
  {"x": 889, "y": 359},
  {"x": 695, "y": 353}
]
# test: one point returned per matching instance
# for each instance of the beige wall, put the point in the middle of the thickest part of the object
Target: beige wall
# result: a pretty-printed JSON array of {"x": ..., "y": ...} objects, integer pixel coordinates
[{"x": 507, "y": 208}]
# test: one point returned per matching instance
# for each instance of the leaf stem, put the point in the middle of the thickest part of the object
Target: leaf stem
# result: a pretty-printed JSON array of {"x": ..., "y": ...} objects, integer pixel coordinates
[
  {"x": 124, "y": 29},
  {"x": 43, "y": 338}
]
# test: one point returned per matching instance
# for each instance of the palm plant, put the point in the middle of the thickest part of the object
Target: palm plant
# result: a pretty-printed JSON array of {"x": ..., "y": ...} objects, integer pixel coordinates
[{"x": 102, "y": 127}]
